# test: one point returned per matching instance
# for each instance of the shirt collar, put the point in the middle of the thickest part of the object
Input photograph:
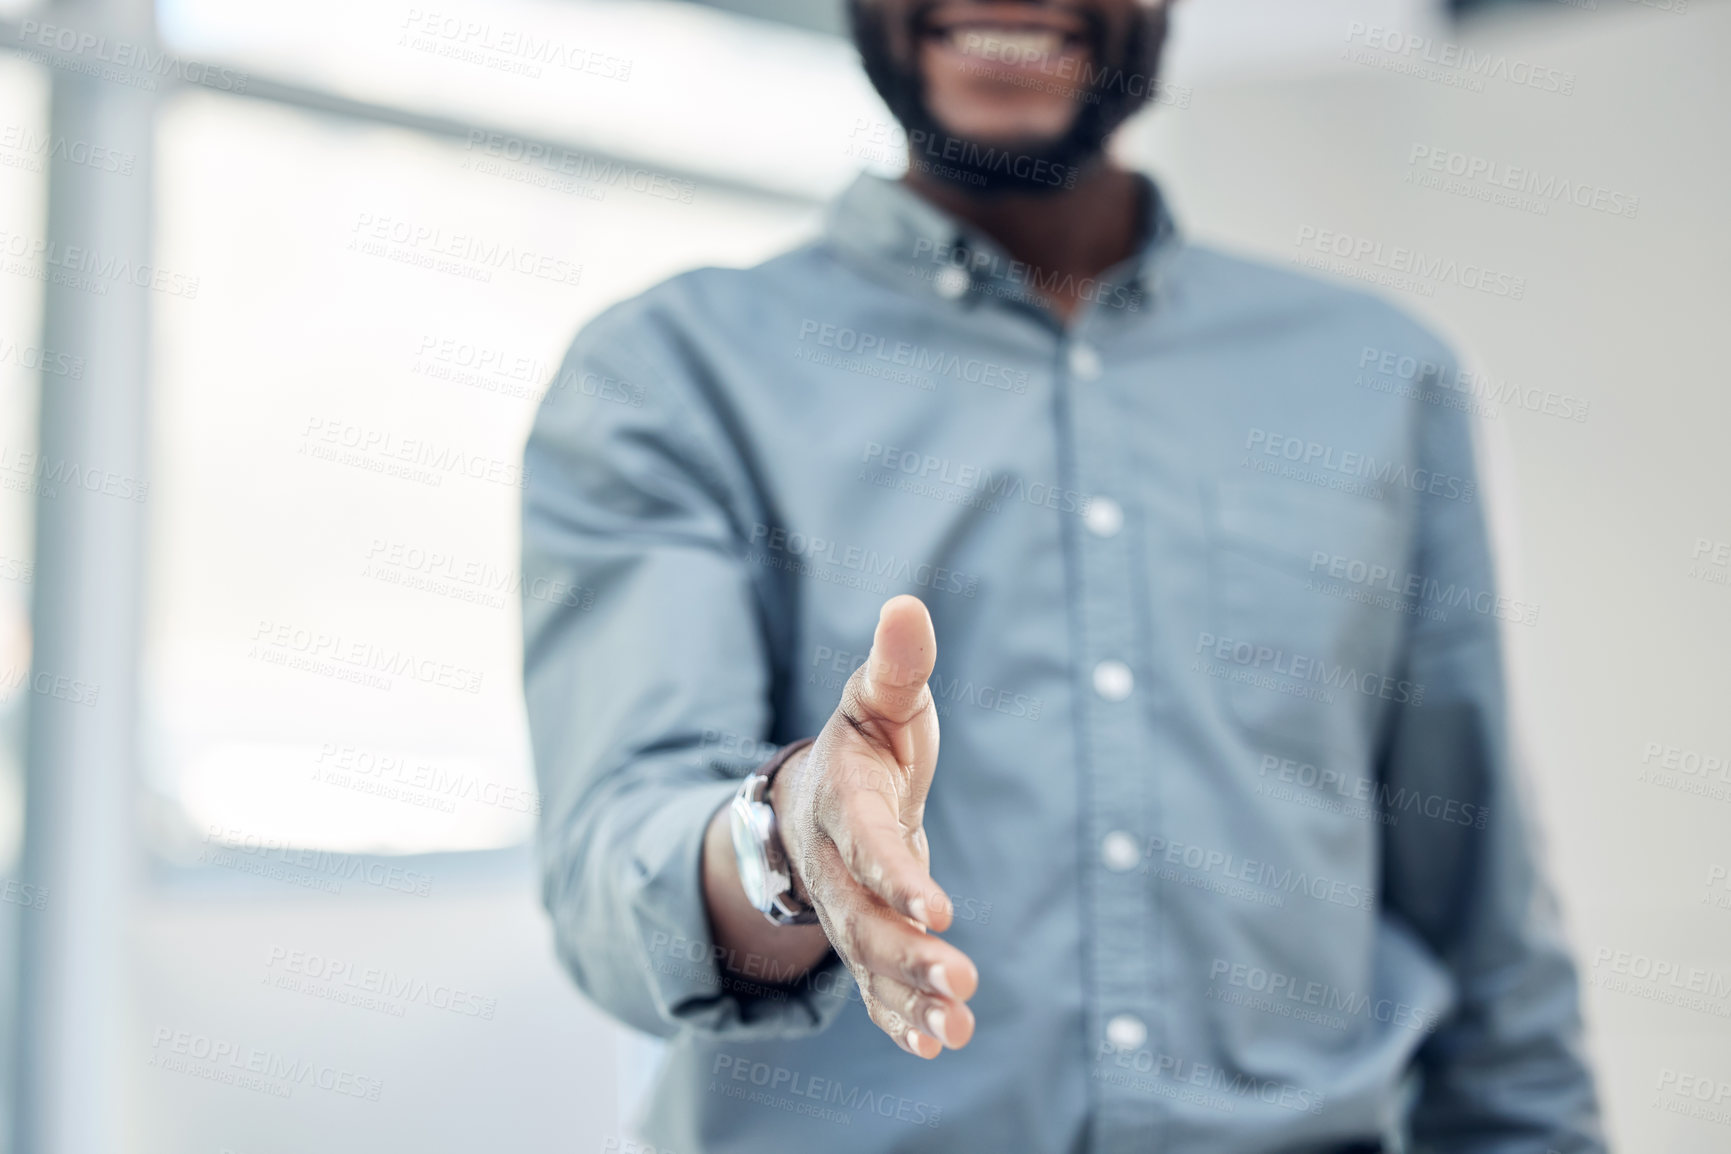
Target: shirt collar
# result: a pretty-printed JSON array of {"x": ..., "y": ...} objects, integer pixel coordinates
[{"x": 890, "y": 230}]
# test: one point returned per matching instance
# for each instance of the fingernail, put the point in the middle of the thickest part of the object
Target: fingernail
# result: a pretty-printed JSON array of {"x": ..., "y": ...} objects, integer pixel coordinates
[
  {"x": 940, "y": 982},
  {"x": 917, "y": 911},
  {"x": 913, "y": 1040},
  {"x": 935, "y": 1019}
]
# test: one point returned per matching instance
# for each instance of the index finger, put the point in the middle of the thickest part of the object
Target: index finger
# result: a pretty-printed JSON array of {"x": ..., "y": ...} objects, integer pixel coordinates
[{"x": 874, "y": 849}]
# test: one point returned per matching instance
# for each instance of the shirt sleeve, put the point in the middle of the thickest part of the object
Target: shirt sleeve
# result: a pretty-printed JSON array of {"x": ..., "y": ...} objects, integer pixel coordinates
[
  {"x": 1506, "y": 1072},
  {"x": 645, "y": 664}
]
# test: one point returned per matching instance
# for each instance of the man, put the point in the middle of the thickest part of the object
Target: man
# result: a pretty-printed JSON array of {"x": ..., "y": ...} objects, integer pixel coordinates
[{"x": 1225, "y": 850}]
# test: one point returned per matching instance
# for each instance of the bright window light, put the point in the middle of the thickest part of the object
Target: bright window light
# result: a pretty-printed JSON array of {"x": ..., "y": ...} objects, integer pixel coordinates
[
  {"x": 662, "y": 83},
  {"x": 333, "y": 642}
]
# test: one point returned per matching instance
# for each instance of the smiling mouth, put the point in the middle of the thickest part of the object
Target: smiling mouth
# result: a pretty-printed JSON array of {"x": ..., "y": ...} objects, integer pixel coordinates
[
  {"x": 998, "y": 42},
  {"x": 1005, "y": 36}
]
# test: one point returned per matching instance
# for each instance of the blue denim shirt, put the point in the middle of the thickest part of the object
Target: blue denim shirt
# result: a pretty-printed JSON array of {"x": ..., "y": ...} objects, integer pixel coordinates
[{"x": 1227, "y": 801}]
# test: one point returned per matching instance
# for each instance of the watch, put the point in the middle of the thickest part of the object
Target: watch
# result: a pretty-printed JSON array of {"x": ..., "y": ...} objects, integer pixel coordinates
[{"x": 764, "y": 872}]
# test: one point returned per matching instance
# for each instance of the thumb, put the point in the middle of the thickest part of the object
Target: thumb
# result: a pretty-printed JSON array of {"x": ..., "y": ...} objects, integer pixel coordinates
[{"x": 904, "y": 649}]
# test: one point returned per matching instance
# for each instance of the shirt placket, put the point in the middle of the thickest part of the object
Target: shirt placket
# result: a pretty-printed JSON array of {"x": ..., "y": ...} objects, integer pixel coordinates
[{"x": 1117, "y": 803}]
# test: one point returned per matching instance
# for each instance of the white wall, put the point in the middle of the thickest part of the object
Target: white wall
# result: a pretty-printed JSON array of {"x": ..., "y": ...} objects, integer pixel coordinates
[{"x": 1628, "y": 314}]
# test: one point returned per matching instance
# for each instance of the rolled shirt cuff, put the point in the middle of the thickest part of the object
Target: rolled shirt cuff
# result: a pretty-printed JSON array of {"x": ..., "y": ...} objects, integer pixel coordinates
[{"x": 691, "y": 979}]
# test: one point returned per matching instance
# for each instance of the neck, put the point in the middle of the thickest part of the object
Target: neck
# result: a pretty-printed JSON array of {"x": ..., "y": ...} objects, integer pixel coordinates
[{"x": 1067, "y": 236}]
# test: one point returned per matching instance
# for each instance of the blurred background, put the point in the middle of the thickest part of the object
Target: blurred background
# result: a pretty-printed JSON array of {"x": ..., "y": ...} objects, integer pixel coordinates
[{"x": 281, "y": 284}]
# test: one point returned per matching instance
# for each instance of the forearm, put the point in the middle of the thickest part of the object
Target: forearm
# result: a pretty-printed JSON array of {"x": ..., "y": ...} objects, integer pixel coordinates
[
  {"x": 638, "y": 505},
  {"x": 751, "y": 945}
]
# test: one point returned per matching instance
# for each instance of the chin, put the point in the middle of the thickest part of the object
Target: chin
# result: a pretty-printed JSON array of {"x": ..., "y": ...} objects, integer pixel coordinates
[{"x": 1033, "y": 128}]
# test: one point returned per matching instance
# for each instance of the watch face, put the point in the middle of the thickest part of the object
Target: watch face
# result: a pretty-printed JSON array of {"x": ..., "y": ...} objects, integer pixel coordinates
[{"x": 748, "y": 850}]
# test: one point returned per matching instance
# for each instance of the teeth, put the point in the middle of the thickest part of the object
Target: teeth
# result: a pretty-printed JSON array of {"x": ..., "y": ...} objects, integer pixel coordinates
[{"x": 1006, "y": 44}]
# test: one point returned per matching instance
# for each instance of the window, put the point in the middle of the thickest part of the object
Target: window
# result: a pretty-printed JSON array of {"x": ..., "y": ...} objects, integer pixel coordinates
[{"x": 332, "y": 653}]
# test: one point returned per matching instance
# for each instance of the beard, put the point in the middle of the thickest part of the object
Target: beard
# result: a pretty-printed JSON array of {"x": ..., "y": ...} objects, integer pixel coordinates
[{"x": 1120, "y": 83}]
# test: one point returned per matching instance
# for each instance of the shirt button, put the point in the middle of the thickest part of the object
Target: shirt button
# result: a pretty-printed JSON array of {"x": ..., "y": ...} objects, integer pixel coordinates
[
  {"x": 1126, "y": 1031},
  {"x": 1121, "y": 851},
  {"x": 1104, "y": 517},
  {"x": 1113, "y": 680},
  {"x": 951, "y": 282},
  {"x": 1084, "y": 362}
]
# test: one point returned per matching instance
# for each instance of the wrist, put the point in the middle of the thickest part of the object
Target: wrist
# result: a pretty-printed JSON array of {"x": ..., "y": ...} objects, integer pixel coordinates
[
  {"x": 785, "y": 779},
  {"x": 768, "y": 877},
  {"x": 750, "y": 946},
  {"x": 781, "y": 795}
]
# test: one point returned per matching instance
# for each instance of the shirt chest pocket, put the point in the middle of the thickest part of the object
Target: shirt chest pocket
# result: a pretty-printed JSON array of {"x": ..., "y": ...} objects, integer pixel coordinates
[{"x": 1307, "y": 651}]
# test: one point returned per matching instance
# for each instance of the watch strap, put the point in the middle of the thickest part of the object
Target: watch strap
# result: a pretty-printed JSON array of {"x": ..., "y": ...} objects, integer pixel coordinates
[{"x": 781, "y": 757}]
